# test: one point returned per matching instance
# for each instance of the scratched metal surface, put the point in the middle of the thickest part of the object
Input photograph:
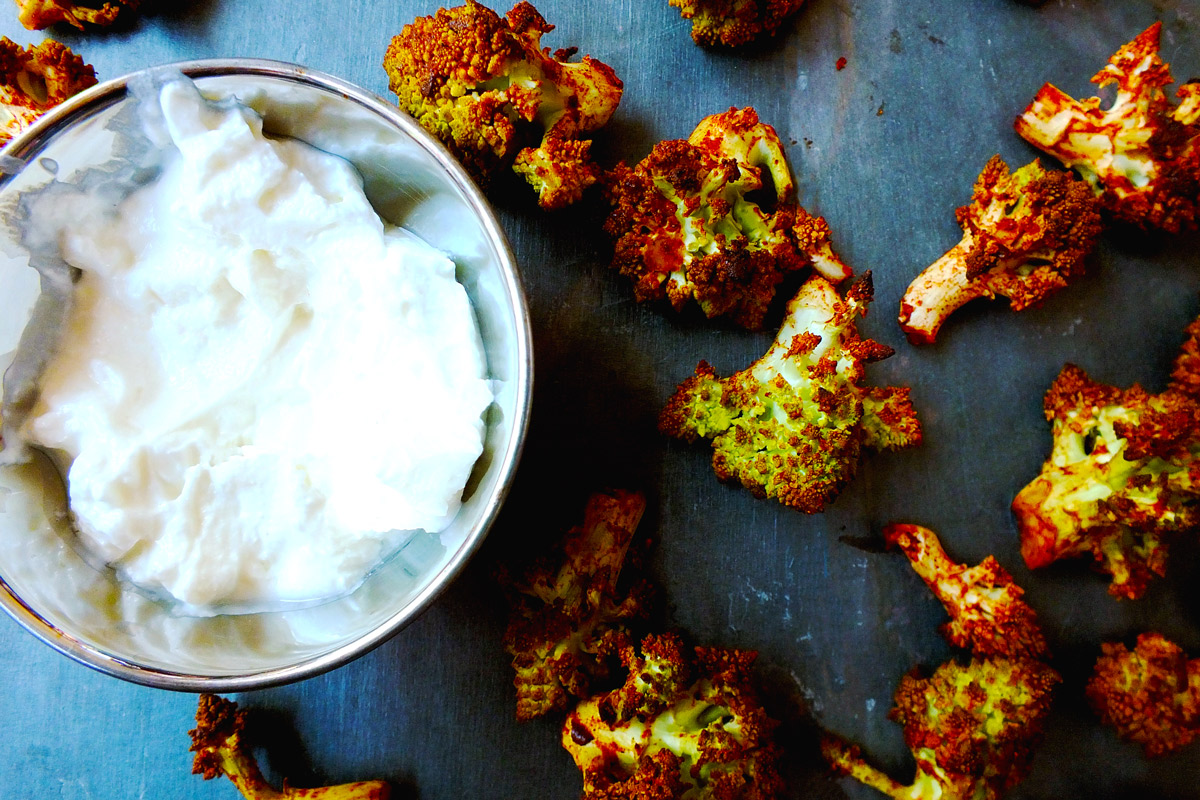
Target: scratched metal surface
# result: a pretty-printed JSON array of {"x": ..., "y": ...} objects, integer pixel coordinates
[{"x": 885, "y": 149}]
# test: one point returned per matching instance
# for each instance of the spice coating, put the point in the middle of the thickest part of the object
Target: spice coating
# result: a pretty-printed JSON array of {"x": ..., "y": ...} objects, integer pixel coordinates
[
  {"x": 40, "y": 14},
  {"x": 972, "y": 728}
]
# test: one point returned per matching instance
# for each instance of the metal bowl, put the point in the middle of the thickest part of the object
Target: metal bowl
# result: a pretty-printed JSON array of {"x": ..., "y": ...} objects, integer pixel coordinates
[{"x": 84, "y": 611}]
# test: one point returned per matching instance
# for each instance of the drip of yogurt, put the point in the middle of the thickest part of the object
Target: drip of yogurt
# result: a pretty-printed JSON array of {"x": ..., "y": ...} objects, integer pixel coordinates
[{"x": 260, "y": 386}]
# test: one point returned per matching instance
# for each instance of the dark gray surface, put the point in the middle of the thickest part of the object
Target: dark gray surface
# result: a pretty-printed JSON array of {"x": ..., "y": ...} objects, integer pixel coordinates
[{"x": 836, "y": 626}]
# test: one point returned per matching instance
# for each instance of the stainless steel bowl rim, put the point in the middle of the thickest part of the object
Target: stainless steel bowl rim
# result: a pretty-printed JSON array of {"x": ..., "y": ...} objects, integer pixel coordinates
[{"x": 29, "y": 141}]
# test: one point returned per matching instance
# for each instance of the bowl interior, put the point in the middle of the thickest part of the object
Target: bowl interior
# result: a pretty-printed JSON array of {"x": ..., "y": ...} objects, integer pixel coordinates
[{"x": 86, "y": 612}]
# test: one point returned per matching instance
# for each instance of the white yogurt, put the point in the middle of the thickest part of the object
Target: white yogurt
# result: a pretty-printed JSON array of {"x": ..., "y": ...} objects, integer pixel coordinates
[{"x": 260, "y": 384}]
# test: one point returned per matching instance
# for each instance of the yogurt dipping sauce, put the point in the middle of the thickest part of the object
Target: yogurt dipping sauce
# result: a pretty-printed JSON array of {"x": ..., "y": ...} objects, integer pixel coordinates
[{"x": 260, "y": 385}]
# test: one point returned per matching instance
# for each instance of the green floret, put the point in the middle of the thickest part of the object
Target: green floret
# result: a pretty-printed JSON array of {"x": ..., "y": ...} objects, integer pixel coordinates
[
  {"x": 972, "y": 729},
  {"x": 486, "y": 88},
  {"x": 680, "y": 728},
  {"x": 690, "y": 221},
  {"x": 571, "y": 610},
  {"x": 219, "y": 742},
  {"x": 791, "y": 426},
  {"x": 1123, "y": 478},
  {"x": 559, "y": 169},
  {"x": 734, "y": 22}
]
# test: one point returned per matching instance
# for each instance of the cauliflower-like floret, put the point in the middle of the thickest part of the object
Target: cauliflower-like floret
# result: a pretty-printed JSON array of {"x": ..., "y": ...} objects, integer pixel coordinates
[
  {"x": 987, "y": 613},
  {"x": 1026, "y": 234},
  {"x": 972, "y": 729},
  {"x": 35, "y": 79},
  {"x": 734, "y": 22},
  {"x": 485, "y": 87},
  {"x": 38, "y": 14},
  {"x": 687, "y": 225},
  {"x": 1141, "y": 154},
  {"x": 1121, "y": 482},
  {"x": 1151, "y": 694},
  {"x": 571, "y": 609},
  {"x": 219, "y": 742},
  {"x": 680, "y": 727}
]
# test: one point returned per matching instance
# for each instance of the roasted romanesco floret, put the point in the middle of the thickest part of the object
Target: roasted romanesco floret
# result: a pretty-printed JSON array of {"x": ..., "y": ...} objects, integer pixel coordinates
[
  {"x": 792, "y": 424},
  {"x": 734, "y": 22},
  {"x": 972, "y": 729},
  {"x": 486, "y": 88},
  {"x": 220, "y": 747},
  {"x": 686, "y": 225},
  {"x": 987, "y": 613},
  {"x": 35, "y": 79},
  {"x": 1141, "y": 153},
  {"x": 571, "y": 610},
  {"x": 1123, "y": 478},
  {"x": 1026, "y": 234},
  {"x": 38, "y": 14},
  {"x": 1150, "y": 694},
  {"x": 679, "y": 728}
]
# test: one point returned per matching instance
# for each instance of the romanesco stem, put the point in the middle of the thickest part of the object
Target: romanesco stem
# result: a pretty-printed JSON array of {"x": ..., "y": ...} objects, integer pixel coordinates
[{"x": 938, "y": 292}]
